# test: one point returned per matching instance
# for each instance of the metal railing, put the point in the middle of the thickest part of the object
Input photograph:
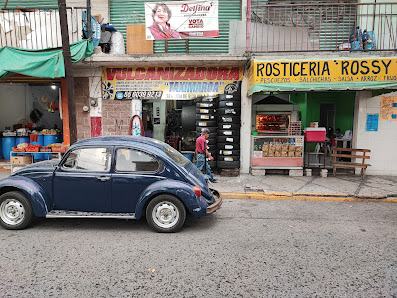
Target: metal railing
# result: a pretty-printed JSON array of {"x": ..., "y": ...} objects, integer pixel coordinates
[
  {"x": 39, "y": 28},
  {"x": 321, "y": 27}
]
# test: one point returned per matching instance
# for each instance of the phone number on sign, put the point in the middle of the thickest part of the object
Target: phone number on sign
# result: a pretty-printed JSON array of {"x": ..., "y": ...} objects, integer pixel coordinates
[{"x": 138, "y": 94}]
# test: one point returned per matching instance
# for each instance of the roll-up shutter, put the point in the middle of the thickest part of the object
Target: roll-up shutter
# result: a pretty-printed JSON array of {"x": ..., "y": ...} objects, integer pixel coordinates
[
  {"x": 32, "y": 4},
  {"x": 123, "y": 13}
]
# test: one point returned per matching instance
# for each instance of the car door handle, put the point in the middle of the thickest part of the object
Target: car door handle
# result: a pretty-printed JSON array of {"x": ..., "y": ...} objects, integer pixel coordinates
[{"x": 103, "y": 178}]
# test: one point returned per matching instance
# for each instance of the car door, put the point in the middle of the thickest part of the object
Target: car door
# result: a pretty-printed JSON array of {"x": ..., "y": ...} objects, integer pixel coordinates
[
  {"x": 83, "y": 180},
  {"x": 134, "y": 171}
]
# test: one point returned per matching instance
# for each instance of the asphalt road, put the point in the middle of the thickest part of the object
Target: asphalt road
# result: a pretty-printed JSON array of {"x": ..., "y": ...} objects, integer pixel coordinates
[{"x": 249, "y": 248}]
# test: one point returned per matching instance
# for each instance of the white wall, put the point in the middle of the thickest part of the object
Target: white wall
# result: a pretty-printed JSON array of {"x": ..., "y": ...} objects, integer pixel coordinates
[
  {"x": 382, "y": 143},
  {"x": 18, "y": 100},
  {"x": 245, "y": 131},
  {"x": 97, "y": 7},
  {"x": 13, "y": 105}
]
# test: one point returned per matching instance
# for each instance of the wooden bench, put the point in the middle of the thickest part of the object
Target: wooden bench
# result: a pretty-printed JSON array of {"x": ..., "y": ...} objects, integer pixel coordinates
[{"x": 353, "y": 154}]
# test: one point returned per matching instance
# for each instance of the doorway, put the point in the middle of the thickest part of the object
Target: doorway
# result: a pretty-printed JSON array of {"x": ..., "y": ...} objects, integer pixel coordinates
[{"x": 327, "y": 115}]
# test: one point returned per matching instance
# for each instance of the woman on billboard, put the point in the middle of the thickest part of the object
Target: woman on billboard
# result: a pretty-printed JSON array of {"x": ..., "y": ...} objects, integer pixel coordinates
[{"x": 161, "y": 28}]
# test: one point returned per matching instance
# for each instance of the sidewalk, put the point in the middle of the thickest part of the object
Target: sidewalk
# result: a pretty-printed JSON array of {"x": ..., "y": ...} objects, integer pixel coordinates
[
  {"x": 343, "y": 185},
  {"x": 247, "y": 186}
]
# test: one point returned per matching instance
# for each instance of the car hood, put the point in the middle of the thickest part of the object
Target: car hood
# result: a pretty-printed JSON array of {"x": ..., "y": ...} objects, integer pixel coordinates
[{"x": 41, "y": 166}]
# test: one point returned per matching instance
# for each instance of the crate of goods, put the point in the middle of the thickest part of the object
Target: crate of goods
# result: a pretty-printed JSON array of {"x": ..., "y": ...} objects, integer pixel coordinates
[
  {"x": 315, "y": 134},
  {"x": 45, "y": 149},
  {"x": 21, "y": 160},
  {"x": 16, "y": 149},
  {"x": 32, "y": 148},
  {"x": 59, "y": 149}
]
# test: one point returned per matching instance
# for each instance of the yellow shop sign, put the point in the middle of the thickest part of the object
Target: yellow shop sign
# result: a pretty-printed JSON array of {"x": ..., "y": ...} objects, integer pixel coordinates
[{"x": 323, "y": 71}]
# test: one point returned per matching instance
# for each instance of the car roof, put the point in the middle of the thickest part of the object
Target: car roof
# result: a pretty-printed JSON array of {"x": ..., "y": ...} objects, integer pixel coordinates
[{"x": 120, "y": 141}]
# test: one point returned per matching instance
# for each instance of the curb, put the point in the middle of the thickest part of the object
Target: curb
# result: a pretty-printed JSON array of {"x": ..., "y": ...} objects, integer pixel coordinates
[{"x": 285, "y": 196}]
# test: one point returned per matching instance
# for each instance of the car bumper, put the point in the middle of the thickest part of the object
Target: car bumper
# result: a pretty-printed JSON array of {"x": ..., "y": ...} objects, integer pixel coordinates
[{"x": 218, "y": 202}]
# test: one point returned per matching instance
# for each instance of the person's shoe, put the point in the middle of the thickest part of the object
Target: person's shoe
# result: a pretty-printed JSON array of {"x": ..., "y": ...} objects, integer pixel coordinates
[{"x": 214, "y": 180}]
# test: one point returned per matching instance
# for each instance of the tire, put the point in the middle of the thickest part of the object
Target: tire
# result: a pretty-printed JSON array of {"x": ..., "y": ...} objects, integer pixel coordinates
[
  {"x": 228, "y": 152},
  {"x": 205, "y": 117},
  {"x": 165, "y": 214},
  {"x": 210, "y": 123},
  {"x": 211, "y": 142},
  {"x": 205, "y": 111},
  {"x": 228, "y": 146},
  {"x": 228, "y": 126},
  {"x": 208, "y": 99},
  {"x": 206, "y": 105},
  {"x": 212, "y": 164},
  {"x": 225, "y": 139},
  {"x": 229, "y": 119},
  {"x": 229, "y": 132},
  {"x": 187, "y": 117},
  {"x": 212, "y": 148},
  {"x": 229, "y": 158},
  {"x": 107, "y": 90},
  {"x": 230, "y": 104},
  {"x": 213, "y": 152},
  {"x": 230, "y": 111},
  {"x": 229, "y": 97},
  {"x": 228, "y": 164},
  {"x": 212, "y": 130},
  {"x": 16, "y": 211}
]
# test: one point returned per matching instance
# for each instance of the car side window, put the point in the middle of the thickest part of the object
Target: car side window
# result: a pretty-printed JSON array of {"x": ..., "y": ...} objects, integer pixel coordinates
[
  {"x": 128, "y": 160},
  {"x": 89, "y": 159}
]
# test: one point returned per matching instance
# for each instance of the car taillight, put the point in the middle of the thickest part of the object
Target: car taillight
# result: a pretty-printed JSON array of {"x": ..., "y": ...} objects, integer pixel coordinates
[{"x": 197, "y": 190}]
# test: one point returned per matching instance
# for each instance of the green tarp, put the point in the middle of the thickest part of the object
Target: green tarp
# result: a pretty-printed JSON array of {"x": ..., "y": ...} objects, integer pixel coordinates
[
  {"x": 321, "y": 86},
  {"x": 47, "y": 63}
]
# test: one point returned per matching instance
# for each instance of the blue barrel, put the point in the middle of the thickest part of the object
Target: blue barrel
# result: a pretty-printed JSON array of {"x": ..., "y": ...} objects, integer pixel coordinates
[
  {"x": 51, "y": 139},
  {"x": 189, "y": 156},
  {"x": 1, "y": 151},
  {"x": 40, "y": 141},
  {"x": 7, "y": 144}
]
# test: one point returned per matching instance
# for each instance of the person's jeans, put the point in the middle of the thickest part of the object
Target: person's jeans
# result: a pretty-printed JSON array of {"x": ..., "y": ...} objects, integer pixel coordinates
[{"x": 200, "y": 165}]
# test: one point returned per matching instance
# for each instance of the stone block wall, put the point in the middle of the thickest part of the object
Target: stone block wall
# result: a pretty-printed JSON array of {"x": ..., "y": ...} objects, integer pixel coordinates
[
  {"x": 81, "y": 97},
  {"x": 116, "y": 117}
]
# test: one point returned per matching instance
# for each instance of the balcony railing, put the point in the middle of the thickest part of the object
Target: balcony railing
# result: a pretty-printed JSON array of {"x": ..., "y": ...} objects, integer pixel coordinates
[
  {"x": 321, "y": 27},
  {"x": 35, "y": 28}
]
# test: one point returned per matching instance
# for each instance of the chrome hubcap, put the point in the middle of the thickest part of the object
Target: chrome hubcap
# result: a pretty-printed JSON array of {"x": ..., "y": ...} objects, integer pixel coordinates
[
  {"x": 12, "y": 212},
  {"x": 165, "y": 214}
]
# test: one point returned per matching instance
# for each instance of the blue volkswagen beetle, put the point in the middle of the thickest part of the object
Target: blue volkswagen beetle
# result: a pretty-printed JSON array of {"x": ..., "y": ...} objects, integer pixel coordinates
[{"x": 109, "y": 177}]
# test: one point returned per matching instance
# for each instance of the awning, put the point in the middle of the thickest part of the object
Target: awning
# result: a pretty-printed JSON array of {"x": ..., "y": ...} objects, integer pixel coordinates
[
  {"x": 322, "y": 87},
  {"x": 47, "y": 63},
  {"x": 324, "y": 75}
]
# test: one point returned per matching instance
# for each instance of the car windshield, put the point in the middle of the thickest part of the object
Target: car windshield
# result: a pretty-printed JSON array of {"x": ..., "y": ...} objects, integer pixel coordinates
[{"x": 176, "y": 156}]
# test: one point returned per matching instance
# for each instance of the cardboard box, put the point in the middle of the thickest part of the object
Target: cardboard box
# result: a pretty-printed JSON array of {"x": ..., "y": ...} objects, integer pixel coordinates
[
  {"x": 21, "y": 159},
  {"x": 98, "y": 18},
  {"x": 136, "y": 40}
]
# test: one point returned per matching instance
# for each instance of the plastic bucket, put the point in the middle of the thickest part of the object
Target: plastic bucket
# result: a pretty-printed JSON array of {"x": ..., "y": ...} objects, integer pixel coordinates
[
  {"x": 49, "y": 140},
  {"x": 189, "y": 156},
  {"x": 40, "y": 141},
  {"x": 7, "y": 144}
]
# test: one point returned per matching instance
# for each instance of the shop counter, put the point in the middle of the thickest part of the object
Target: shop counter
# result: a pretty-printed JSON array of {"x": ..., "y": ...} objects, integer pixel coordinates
[{"x": 277, "y": 152}]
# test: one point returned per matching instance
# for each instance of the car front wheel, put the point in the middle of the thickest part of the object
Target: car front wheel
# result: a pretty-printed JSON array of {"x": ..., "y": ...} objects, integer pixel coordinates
[
  {"x": 15, "y": 211},
  {"x": 165, "y": 214}
]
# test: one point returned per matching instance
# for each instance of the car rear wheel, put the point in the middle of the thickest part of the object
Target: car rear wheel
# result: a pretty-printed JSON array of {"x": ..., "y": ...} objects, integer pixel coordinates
[
  {"x": 165, "y": 214},
  {"x": 15, "y": 211}
]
